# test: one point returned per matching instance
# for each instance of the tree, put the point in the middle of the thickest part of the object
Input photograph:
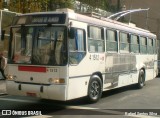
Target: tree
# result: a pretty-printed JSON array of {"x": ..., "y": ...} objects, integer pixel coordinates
[{"x": 25, "y": 6}]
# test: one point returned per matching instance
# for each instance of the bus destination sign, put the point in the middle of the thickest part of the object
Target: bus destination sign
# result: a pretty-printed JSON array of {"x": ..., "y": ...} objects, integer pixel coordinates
[
  {"x": 40, "y": 19},
  {"x": 45, "y": 20}
]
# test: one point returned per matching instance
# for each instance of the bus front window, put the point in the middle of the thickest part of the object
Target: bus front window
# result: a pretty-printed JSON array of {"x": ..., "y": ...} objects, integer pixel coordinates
[{"x": 39, "y": 45}]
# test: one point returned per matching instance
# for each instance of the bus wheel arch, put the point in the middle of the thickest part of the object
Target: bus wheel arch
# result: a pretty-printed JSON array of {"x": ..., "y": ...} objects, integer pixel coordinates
[
  {"x": 95, "y": 88},
  {"x": 100, "y": 76},
  {"x": 141, "y": 78}
]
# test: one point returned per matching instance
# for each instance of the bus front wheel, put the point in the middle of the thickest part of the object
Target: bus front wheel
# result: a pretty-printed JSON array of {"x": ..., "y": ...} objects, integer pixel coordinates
[
  {"x": 94, "y": 89},
  {"x": 141, "y": 79}
]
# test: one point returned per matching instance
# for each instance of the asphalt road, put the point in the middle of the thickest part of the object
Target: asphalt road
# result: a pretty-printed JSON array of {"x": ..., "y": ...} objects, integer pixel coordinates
[{"x": 123, "y": 102}]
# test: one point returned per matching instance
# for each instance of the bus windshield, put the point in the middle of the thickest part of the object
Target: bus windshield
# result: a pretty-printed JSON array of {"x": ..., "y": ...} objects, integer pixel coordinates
[{"x": 39, "y": 45}]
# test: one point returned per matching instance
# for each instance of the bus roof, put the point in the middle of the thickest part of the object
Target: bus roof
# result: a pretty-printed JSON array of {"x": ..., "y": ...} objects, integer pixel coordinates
[
  {"x": 112, "y": 24},
  {"x": 108, "y": 23}
]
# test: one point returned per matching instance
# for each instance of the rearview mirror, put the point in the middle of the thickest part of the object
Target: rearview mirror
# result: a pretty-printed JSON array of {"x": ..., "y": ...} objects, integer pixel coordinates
[
  {"x": 72, "y": 33},
  {"x": 2, "y": 35}
]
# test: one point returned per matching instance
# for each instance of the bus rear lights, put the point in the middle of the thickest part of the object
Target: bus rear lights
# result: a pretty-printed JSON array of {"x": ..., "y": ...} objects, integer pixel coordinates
[{"x": 56, "y": 80}]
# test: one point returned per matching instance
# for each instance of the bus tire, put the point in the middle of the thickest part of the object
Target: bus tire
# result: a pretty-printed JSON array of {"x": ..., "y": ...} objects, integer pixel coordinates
[
  {"x": 94, "y": 89},
  {"x": 141, "y": 79}
]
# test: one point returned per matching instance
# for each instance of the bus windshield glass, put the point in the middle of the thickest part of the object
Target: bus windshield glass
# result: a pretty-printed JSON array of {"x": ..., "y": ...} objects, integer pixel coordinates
[{"x": 39, "y": 45}]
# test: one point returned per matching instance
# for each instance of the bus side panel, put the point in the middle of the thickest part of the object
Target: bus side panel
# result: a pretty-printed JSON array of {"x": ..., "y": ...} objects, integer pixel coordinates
[
  {"x": 78, "y": 87},
  {"x": 79, "y": 75},
  {"x": 120, "y": 70},
  {"x": 147, "y": 63}
]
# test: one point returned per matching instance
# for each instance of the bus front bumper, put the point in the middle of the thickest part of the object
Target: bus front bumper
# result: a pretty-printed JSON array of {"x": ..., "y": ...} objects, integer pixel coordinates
[{"x": 53, "y": 92}]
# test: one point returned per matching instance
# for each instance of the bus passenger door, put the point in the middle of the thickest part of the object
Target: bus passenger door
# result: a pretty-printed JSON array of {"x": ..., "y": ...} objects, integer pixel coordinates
[{"x": 77, "y": 63}]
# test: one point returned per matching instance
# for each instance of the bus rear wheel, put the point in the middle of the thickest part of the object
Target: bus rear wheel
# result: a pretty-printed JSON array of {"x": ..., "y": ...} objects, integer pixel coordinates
[
  {"x": 94, "y": 89},
  {"x": 141, "y": 79}
]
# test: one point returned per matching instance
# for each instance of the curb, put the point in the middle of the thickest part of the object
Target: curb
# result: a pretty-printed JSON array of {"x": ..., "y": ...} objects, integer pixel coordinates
[{"x": 1, "y": 94}]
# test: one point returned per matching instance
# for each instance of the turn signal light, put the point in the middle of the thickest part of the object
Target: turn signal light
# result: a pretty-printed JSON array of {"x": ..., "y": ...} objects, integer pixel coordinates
[{"x": 57, "y": 80}]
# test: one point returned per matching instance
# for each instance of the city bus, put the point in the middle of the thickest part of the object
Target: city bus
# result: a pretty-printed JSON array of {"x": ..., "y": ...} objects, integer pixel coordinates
[{"x": 63, "y": 55}]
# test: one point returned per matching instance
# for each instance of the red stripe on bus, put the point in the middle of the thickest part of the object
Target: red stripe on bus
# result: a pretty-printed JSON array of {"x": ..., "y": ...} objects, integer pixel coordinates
[{"x": 32, "y": 68}]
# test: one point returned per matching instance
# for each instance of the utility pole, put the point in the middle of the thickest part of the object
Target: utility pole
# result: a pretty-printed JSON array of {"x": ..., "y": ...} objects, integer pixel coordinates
[
  {"x": 158, "y": 37},
  {"x": 118, "y": 5},
  {"x": 1, "y": 3}
]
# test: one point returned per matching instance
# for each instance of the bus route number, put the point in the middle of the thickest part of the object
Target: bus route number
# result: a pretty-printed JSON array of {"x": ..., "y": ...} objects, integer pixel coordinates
[
  {"x": 53, "y": 70},
  {"x": 94, "y": 57}
]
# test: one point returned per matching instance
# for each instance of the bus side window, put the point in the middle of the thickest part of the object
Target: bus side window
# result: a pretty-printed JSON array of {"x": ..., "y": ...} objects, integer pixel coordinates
[
  {"x": 76, "y": 45},
  {"x": 95, "y": 39},
  {"x": 154, "y": 47},
  {"x": 134, "y": 44},
  {"x": 124, "y": 44},
  {"x": 143, "y": 45},
  {"x": 111, "y": 43},
  {"x": 150, "y": 48}
]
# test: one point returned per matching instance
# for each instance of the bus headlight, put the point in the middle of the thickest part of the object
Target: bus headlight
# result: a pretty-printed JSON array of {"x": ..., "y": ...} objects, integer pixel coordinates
[
  {"x": 57, "y": 80},
  {"x": 10, "y": 77}
]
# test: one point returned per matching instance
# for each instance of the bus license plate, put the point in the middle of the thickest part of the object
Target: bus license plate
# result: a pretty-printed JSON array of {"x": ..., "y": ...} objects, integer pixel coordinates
[{"x": 31, "y": 94}]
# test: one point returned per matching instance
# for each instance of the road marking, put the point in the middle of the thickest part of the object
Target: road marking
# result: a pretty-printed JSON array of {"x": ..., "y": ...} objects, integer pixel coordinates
[
  {"x": 131, "y": 96},
  {"x": 80, "y": 107}
]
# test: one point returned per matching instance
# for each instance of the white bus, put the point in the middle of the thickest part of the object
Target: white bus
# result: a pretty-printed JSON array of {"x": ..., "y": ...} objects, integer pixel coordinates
[{"x": 63, "y": 55}]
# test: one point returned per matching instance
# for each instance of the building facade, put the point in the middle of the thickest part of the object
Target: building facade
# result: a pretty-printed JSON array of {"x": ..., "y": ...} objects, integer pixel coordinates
[{"x": 147, "y": 20}]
